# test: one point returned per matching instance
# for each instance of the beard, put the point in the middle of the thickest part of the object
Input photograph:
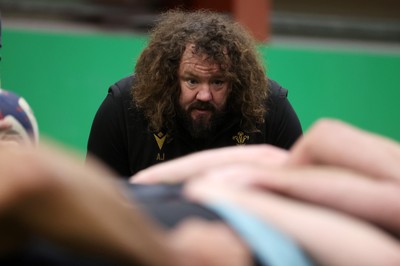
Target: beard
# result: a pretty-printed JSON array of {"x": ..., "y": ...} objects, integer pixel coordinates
[{"x": 204, "y": 125}]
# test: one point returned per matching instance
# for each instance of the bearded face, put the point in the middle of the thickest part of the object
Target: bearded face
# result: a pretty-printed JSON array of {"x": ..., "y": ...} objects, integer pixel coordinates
[{"x": 204, "y": 92}]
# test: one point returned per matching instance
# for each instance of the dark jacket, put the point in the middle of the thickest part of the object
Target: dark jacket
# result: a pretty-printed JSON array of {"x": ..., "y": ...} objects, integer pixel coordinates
[{"x": 120, "y": 136}]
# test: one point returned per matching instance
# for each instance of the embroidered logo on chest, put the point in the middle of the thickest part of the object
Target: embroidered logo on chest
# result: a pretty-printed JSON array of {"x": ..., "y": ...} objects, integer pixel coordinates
[
  {"x": 160, "y": 139},
  {"x": 241, "y": 138}
]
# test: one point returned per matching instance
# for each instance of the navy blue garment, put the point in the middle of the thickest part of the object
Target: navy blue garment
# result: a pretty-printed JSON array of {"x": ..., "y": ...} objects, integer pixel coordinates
[{"x": 165, "y": 204}]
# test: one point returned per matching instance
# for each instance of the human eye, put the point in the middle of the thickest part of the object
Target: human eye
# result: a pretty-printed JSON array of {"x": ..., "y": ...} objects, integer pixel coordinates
[
  {"x": 191, "y": 82},
  {"x": 219, "y": 83}
]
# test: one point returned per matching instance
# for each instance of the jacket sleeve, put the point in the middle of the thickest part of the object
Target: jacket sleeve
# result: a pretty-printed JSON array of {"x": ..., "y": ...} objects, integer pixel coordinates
[
  {"x": 285, "y": 127},
  {"x": 108, "y": 138}
]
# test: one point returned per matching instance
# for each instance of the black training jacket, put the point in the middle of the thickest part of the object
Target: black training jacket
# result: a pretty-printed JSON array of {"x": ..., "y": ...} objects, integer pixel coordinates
[{"x": 120, "y": 136}]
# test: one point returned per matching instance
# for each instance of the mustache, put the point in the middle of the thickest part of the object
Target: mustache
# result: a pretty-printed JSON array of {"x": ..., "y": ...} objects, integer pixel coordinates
[{"x": 202, "y": 106}]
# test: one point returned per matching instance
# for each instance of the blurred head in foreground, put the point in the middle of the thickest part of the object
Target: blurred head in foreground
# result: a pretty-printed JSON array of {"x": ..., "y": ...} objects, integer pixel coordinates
[{"x": 17, "y": 121}]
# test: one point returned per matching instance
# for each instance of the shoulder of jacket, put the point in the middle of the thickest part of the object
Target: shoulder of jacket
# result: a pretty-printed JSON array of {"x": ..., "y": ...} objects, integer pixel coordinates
[
  {"x": 276, "y": 90},
  {"x": 122, "y": 87}
]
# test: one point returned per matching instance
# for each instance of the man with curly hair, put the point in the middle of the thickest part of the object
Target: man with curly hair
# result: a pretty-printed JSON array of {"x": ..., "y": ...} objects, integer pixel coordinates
[{"x": 199, "y": 84}]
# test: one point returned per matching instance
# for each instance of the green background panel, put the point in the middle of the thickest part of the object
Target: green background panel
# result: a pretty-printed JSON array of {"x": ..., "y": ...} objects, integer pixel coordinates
[
  {"x": 65, "y": 77},
  {"x": 360, "y": 87}
]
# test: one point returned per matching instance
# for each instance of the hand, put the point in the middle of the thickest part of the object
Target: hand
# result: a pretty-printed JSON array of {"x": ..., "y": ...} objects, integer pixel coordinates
[
  {"x": 359, "y": 195},
  {"x": 190, "y": 166},
  {"x": 332, "y": 142}
]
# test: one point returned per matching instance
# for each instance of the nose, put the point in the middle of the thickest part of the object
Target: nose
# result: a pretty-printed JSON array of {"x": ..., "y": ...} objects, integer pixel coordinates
[{"x": 204, "y": 93}]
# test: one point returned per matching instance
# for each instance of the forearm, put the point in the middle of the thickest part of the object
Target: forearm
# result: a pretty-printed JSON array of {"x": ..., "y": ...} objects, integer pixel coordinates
[
  {"x": 331, "y": 238},
  {"x": 370, "y": 199},
  {"x": 190, "y": 166},
  {"x": 346, "y": 191},
  {"x": 320, "y": 232}
]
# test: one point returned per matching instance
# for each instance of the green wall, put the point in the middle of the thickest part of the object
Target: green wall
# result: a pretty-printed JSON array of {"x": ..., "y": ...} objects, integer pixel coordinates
[
  {"x": 65, "y": 77},
  {"x": 360, "y": 86}
]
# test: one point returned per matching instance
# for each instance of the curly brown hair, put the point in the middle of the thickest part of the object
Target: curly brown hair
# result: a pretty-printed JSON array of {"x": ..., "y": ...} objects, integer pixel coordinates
[{"x": 156, "y": 87}]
